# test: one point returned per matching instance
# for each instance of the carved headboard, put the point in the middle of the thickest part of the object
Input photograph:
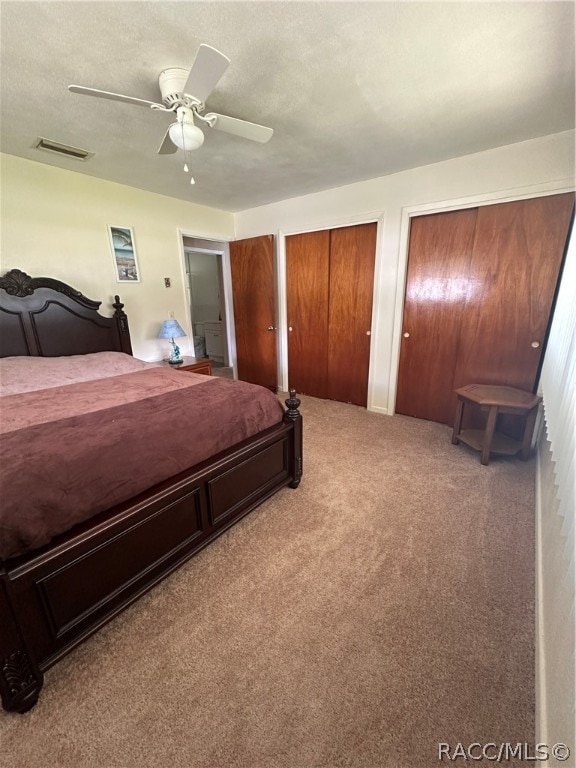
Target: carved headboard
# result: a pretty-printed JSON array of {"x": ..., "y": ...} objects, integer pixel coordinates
[{"x": 44, "y": 317}]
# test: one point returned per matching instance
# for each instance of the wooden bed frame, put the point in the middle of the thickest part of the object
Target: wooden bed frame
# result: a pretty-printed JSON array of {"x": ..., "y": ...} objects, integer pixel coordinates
[{"x": 55, "y": 597}]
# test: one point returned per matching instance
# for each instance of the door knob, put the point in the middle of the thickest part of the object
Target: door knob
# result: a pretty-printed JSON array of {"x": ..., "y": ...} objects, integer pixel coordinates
[
  {"x": 368, "y": 333},
  {"x": 535, "y": 344},
  {"x": 406, "y": 335},
  {"x": 271, "y": 328},
  {"x": 290, "y": 328}
]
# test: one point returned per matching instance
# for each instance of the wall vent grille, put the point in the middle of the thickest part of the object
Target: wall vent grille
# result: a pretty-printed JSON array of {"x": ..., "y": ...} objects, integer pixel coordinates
[{"x": 48, "y": 145}]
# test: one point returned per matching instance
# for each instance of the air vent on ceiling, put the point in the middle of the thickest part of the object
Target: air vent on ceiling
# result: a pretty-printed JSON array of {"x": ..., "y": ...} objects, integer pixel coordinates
[{"x": 62, "y": 149}]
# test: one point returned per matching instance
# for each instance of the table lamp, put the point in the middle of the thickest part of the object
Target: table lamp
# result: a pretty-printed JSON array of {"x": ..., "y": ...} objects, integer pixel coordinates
[{"x": 171, "y": 329}]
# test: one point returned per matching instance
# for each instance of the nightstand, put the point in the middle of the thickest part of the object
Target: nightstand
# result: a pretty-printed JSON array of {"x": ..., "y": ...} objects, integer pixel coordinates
[{"x": 194, "y": 364}]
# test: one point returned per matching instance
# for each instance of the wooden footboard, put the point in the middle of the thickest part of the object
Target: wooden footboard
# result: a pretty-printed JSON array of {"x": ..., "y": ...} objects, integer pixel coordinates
[{"x": 56, "y": 597}]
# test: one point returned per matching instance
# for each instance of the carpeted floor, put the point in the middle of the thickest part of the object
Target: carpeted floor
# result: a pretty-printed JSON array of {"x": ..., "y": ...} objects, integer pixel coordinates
[
  {"x": 222, "y": 371},
  {"x": 384, "y": 606}
]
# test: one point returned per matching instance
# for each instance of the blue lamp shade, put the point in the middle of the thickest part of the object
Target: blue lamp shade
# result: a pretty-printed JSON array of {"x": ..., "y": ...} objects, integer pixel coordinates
[{"x": 170, "y": 329}]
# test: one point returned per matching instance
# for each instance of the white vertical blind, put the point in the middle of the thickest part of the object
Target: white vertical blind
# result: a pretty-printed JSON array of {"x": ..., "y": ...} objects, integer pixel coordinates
[
  {"x": 556, "y": 531},
  {"x": 558, "y": 387}
]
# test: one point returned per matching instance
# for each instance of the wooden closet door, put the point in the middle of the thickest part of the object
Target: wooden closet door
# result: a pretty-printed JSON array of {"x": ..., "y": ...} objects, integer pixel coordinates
[
  {"x": 352, "y": 257},
  {"x": 253, "y": 291},
  {"x": 307, "y": 278},
  {"x": 437, "y": 285},
  {"x": 514, "y": 270},
  {"x": 478, "y": 311}
]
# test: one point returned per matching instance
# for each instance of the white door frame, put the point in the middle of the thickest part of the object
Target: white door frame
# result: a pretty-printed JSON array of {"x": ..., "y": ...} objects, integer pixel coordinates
[{"x": 222, "y": 249}]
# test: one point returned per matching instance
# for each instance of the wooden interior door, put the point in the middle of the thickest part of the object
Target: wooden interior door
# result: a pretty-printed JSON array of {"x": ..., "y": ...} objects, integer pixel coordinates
[
  {"x": 436, "y": 289},
  {"x": 352, "y": 258},
  {"x": 308, "y": 274},
  {"x": 253, "y": 292}
]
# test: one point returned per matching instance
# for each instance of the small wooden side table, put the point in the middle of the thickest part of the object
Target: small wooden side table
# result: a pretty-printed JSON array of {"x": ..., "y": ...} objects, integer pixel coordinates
[
  {"x": 194, "y": 364},
  {"x": 495, "y": 400}
]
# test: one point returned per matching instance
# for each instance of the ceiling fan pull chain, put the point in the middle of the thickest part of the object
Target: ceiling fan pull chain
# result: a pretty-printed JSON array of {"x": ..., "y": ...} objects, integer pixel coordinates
[{"x": 187, "y": 160}]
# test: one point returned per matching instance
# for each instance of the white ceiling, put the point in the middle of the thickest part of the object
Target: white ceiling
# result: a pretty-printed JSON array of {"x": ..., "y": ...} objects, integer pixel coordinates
[{"x": 353, "y": 90}]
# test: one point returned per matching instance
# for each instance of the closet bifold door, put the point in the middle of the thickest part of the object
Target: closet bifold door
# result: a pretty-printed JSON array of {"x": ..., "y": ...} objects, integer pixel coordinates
[
  {"x": 352, "y": 258},
  {"x": 330, "y": 282},
  {"x": 437, "y": 287},
  {"x": 307, "y": 272},
  {"x": 514, "y": 270},
  {"x": 479, "y": 296}
]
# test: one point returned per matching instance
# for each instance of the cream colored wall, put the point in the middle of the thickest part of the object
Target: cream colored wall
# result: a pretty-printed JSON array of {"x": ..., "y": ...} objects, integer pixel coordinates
[
  {"x": 532, "y": 167},
  {"x": 54, "y": 223}
]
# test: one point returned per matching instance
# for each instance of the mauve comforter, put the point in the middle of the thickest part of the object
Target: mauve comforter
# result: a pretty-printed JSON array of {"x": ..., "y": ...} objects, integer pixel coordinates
[{"x": 70, "y": 452}]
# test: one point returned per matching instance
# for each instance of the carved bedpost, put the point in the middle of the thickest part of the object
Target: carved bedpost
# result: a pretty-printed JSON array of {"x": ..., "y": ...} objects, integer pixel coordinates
[
  {"x": 122, "y": 325},
  {"x": 294, "y": 415},
  {"x": 20, "y": 678}
]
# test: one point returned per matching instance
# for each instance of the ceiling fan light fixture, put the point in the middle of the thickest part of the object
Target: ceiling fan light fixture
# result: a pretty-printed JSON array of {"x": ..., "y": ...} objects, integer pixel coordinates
[
  {"x": 186, "y": 136},
  {"x": 185, "y": 92}
]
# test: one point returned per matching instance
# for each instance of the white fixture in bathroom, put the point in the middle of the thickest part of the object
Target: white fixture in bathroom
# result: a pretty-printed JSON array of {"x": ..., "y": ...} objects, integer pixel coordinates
[{"x": 214, "y": 346}]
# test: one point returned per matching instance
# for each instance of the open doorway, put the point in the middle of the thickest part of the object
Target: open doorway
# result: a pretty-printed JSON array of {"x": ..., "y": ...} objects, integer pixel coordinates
[{"x": 203, "y": 260}]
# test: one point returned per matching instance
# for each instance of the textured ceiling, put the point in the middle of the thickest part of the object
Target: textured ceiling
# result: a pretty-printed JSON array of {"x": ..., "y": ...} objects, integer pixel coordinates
[{"x": 352, "y": 90}]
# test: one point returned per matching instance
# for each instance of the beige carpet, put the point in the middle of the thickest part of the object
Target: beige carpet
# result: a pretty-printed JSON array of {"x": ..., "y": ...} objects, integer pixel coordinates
[{"x": 383, "y": 607}]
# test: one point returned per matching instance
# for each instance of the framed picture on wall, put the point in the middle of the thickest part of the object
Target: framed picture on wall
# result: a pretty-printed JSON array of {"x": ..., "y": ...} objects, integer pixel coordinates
[{"x": 124, "y": 254}]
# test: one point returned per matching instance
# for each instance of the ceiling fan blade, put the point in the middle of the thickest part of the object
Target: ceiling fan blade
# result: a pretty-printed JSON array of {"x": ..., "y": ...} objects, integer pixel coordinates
[
  {"x": 242, "y": 128},
  {"x": 209, "y": 66},
  {"x": 167, "y": 147},
  {"x": 107, "y": 95}
]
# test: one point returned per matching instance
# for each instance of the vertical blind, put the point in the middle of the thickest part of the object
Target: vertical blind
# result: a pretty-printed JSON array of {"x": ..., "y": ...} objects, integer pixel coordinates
[
  {"x": 556, "y": 532},
  {"x": 558, "y": 387}
]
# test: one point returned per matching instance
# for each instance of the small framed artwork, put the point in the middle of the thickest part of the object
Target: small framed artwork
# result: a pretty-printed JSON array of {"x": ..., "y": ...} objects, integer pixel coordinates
[{"x": 124, "y": 253}]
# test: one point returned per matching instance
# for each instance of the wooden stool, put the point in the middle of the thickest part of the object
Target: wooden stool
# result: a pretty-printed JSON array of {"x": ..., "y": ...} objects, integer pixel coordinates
[{"x": 496, "y": 400}]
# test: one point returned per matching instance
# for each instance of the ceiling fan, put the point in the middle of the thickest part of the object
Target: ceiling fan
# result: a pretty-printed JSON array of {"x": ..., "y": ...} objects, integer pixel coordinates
[{"x": 185, "y": 93}]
